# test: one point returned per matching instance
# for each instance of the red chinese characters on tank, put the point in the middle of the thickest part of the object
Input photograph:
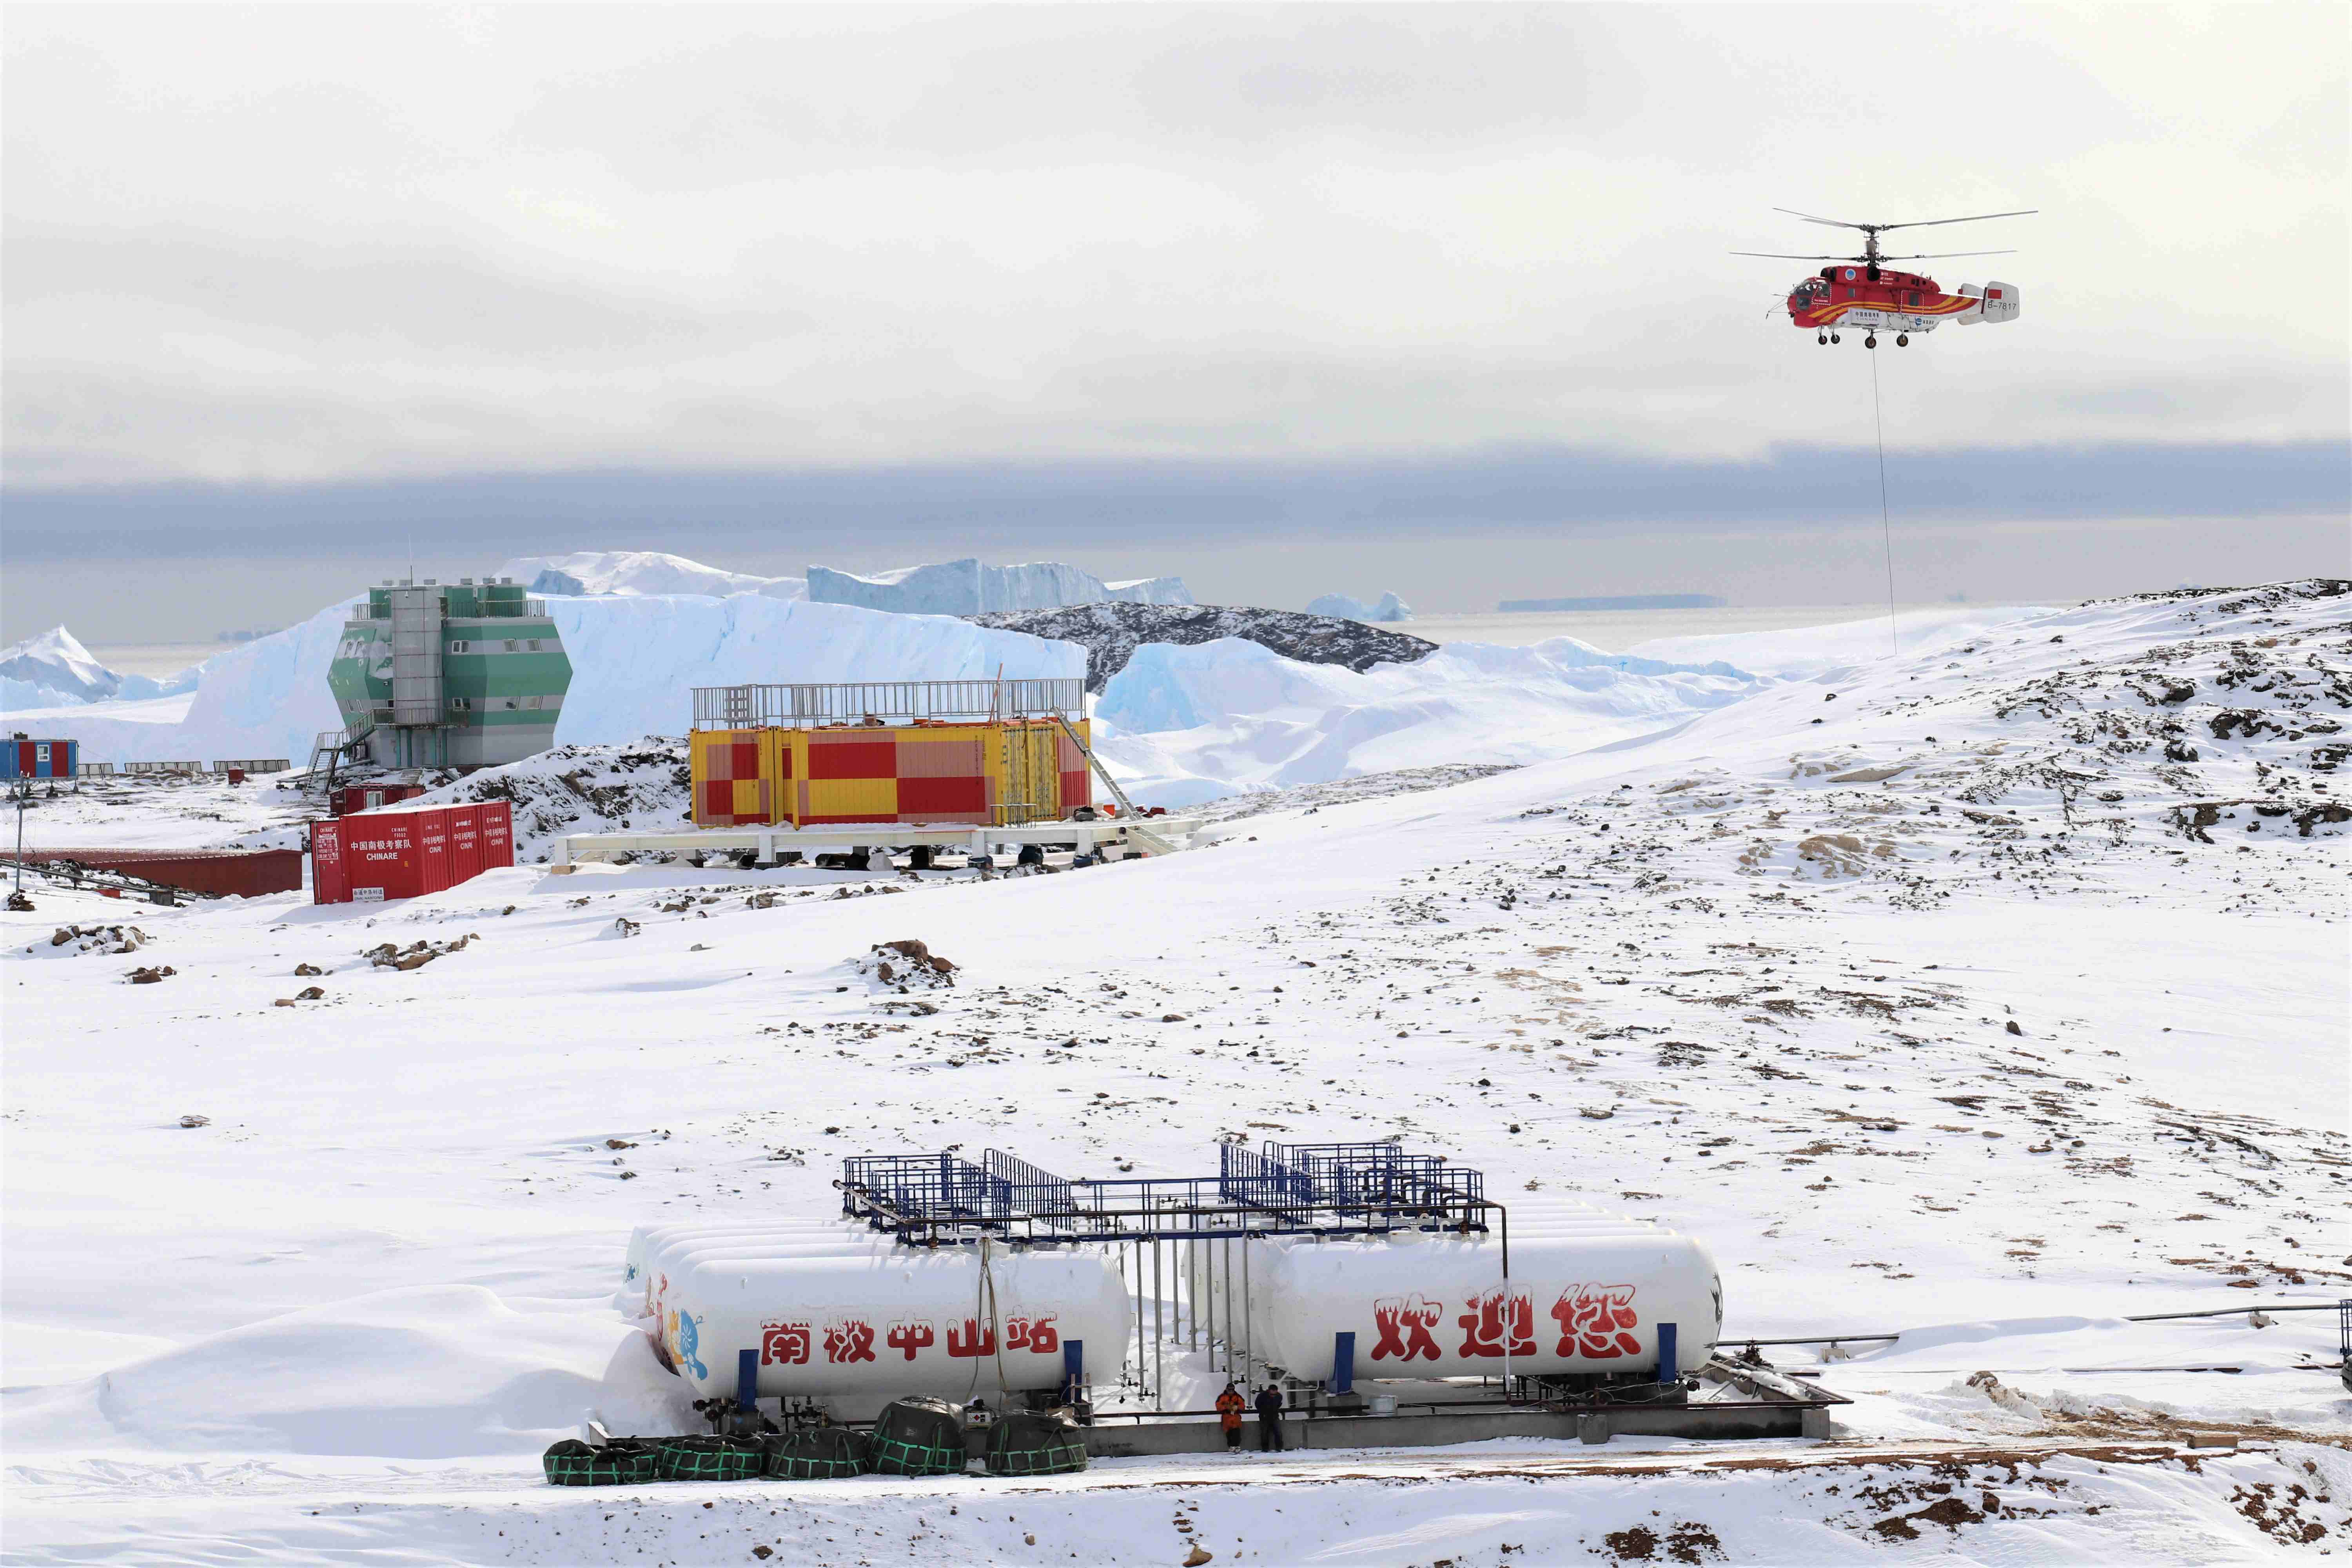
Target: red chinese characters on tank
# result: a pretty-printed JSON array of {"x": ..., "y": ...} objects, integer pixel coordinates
[
  {"x": 1037, "y": 1335},
  {"x": 1404, "y": 1324},
  {"x": 1593, "y": 1321},
  {"x": 848, "y": 1340},
  {"x": 909, "y": 1336},
  {"x": 1489, "y": 1321},
  {"x": 785, "y": 1345}
]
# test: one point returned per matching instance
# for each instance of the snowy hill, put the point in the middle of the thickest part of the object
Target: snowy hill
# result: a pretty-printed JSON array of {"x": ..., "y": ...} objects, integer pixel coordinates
[
  {"x": 1112, "y": 633},
  {"x": 1993, "y": 995},
  {"x": 1190, "y": 724},
  {"x": 970, "y": 587},
  {"x": 630, "y": 571}
]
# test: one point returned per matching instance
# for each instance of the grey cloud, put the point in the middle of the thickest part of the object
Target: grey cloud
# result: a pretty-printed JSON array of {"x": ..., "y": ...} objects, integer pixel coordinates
[{"x": 437, "y": 299}]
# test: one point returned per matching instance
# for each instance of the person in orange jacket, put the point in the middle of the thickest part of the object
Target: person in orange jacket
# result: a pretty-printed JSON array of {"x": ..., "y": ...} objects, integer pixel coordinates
[{"x": 1230, "y": 1405}]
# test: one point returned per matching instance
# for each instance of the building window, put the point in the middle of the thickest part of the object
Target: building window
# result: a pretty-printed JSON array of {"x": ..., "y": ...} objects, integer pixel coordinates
[
  {"x": 461, "y": 703},
  {"x": 460, "y": 646},
  {"x": 512, "y": 646},
  {"x": 534, "y": 645}
]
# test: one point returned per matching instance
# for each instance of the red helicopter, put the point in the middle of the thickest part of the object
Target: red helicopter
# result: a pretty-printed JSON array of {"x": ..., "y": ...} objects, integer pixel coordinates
[{"x": 1867, "y": 293}]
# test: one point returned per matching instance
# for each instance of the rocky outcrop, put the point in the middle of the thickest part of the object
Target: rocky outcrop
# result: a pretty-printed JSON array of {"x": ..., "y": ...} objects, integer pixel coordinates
[{"x": 1112, "y": 633}]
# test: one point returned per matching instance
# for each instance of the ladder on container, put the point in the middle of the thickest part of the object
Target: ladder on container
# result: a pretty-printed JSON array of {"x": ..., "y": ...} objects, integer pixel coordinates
[{"x": 1127, "y": 809}]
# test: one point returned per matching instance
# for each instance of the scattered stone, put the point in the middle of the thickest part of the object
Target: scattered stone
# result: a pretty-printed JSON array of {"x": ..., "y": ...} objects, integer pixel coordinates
[
  {"x": 415, "y": 955},
  {"x": 301, "y": 970},
  {"x": 192, "y": 1121},
  {"x": 99, "y": 939},
  {"x": 151, "y": 976},
  {"x": 310, "y": 993},
  {"x": 2011, "y": 1028}
]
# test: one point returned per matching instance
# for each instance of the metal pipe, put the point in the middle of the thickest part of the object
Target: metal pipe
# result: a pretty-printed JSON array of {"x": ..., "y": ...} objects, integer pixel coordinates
[
  {"x": 1249, "y": 1333},
  {"x": 1230, "y": 1345}
]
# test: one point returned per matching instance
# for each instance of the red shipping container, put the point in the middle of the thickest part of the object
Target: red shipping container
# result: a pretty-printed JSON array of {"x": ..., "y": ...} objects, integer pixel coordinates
[
  {"x": 377, "y": 853},
  {"x": 496, "y": 819},
  {"x": 244, "y": 873},
  {"x": 329, "y": 883},
  {"x": 372, "y": 856},
  {"x": 431, "y": 833},
  {"x": 465, "y": 843}
]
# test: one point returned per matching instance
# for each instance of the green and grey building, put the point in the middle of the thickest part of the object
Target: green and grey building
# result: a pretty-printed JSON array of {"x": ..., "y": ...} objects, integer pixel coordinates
[{"x": 466, "y": 675}]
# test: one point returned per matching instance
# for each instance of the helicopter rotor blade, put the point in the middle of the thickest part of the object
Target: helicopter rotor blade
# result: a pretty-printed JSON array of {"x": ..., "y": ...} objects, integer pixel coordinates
[
  {"x": 1782, "y": 256},
  {"x": 1978, "y": 217},
  {"x": 1948, "y": 255},
  {"x": 1832, "y": 222}
]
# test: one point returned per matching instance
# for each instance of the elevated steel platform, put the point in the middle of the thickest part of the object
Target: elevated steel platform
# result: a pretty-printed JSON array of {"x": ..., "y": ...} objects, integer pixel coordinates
[
  {"x": 1279, "y": 1189},
  {"x": 1129, "y": 836}
]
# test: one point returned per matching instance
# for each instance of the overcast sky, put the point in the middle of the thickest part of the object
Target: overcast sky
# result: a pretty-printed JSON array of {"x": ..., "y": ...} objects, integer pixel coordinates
[{"x": 333, "y": 244}]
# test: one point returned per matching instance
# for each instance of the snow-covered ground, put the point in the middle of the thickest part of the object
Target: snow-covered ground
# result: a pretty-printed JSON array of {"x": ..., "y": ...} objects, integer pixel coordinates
[{"x": 1989, "y": 996}]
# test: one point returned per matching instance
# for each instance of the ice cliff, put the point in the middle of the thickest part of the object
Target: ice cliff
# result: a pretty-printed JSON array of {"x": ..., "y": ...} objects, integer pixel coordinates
[{"x": 971, "y": 588}]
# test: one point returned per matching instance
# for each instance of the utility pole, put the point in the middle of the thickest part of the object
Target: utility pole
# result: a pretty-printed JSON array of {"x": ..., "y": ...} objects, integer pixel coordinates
[{"x": 24, "y": 793}]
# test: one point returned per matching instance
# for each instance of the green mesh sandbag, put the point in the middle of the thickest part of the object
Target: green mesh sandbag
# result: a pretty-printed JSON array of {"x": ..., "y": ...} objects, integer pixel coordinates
[
  {"x": 572, "y": 1463},
  {"x": 820, "y": 1452},
  {"x": 920, "y": 1438},
  {"x": 710, "y": 1458},
  {"x": 1026, "y": 1444}
]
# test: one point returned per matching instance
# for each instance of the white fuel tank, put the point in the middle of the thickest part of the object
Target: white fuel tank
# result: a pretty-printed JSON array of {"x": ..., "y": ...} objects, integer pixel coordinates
[
  {"x": 902, "y": 1320},
  {"x": 1437, "y": 1306},
  {"x": 650, "y": 1245}
]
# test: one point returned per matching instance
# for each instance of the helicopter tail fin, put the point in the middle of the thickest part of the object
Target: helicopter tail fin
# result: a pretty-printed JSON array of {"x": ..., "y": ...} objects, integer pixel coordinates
[{"x": 1995, "y": 302}]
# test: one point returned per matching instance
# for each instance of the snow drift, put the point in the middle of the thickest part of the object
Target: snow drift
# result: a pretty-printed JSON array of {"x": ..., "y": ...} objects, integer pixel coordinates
[{"x": 1189, "y": 724}]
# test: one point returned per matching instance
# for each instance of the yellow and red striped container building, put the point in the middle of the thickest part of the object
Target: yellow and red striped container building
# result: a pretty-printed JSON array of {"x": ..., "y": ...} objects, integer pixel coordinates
[{"x": 986, "y": 752}]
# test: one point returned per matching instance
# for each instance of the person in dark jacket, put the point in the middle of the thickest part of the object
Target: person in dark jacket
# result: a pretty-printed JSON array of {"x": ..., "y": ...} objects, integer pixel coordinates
[{"x": 1269, "y": 1419}]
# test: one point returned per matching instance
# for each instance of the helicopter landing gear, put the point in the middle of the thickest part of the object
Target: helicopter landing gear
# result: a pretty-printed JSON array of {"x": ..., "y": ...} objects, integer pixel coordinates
[
  {"x": 1902, "y": 339},
  {"x": 1823, "y": 339},
  {"x": 1870, "y": 342},
  {"x": 1835, "y": 338}
]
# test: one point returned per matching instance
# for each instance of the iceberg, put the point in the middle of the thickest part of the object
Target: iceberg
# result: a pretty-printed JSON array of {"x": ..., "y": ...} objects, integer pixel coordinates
[
  {"x": 56, "y": 662},
  {"x": 55, "y": 670},
  {"x": 635, "y": 659},
  {"x": 1389, "y": 608},
  {"x": 971, "y": 588},
  {"x": 637, "y": 572}
]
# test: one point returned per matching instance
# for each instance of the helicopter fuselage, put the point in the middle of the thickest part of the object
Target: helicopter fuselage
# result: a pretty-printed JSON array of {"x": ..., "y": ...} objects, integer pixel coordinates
[{"x": 1881, "y": 300}]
